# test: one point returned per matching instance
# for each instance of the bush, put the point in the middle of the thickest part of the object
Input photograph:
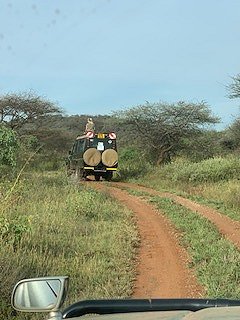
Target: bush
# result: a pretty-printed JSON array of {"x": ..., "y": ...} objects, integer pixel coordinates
[
  {"x": 133, "y": 163},
  {"x": 8, "y": 147},
  {"x": 210, "y": 170},
  {"x": 12, "y": 230}
]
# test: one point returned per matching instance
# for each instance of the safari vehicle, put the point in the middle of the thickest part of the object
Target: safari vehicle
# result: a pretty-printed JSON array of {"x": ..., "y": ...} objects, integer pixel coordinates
[
  {"x": 48, "y": 294},
  {"x": 93, "y": 155}
]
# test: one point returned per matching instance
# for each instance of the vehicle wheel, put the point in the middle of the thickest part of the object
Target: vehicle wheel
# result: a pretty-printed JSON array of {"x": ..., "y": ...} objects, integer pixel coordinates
[
  {"x": 97, "y": 177},
  {"x": 108, "y": 176},
  {"x": 79, "y": 174}
]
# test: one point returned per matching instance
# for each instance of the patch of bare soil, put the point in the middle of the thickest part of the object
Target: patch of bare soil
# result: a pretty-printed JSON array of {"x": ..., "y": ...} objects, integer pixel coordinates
[
  {"x": 162, "y": 264},
  {"x": 226, "y": 226}
]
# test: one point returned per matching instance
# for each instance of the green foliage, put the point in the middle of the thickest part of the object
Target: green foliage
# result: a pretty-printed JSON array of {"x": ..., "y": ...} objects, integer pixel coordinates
[
  {"x": 216, "y": 260},
  {"x": 30, "y": 142},
  {"x": 8, "y": 146},
  {"x": 160, "y": 128},
  {"x": 75, "y": 231},
  {"x": 228, "y": 192},
  {"x": 27, "y": 108},
  {"x": 205, "y": 145},
  {"x": 234, "y": 134},
  {"x": 210, "y": 170},
  {"x": 46, "y": 161},
  {"x": 129, "y": 154},
  {"x": 12, "y": 230},
  {"x": 213, "y": 180},
  {"x": 133, "y": 163},
  {"x": 57, "y": 133}
]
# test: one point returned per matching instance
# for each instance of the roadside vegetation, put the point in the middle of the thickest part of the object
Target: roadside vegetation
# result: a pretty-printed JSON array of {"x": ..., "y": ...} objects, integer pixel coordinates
[
  {"x": 215, "y": 182},
  {"x": 50, "y": 226},
  {"x": 215, "y": 260},
  {"x": 206, "y": 168}
]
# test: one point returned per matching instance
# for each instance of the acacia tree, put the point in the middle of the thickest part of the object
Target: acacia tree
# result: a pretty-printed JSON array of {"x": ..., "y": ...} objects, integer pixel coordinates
[
  {"x": 232, "y": 136},
  {"x": 17, "y": 110},
  {"x": 233, "y": 133},
  {"x": 234, "y": 87},
  {"x": 160, "y": 128}
]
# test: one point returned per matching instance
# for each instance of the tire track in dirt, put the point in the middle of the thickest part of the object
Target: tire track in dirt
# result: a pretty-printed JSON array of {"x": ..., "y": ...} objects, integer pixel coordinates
[
  {"x": 162, "y": 264},
  {"x": 226, "y": 226}
]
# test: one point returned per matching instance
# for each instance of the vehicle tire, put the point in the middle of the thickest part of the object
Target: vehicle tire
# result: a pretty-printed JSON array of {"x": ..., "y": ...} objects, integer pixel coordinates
[
  {"x": 97, "y": 177},
  {"x": 92, "y": 157},
  {"x": 110, "y": 157},
  {"x": 79, "y": 174},
  {"x": 108, "y": 176}
]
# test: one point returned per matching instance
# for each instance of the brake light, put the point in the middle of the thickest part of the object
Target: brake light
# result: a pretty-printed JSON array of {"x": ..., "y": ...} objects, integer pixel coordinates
[
  {"x": 90, "y": 134},
  {"x": 112, "y": 135}
]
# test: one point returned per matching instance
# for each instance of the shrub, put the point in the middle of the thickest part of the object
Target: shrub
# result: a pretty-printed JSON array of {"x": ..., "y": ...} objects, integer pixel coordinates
[
  {"x": 8, "y": 147},
  {"x": 210, "y": 170},
  {"x": 12, "y": 231},
  {"x": 133, "y": 163}
]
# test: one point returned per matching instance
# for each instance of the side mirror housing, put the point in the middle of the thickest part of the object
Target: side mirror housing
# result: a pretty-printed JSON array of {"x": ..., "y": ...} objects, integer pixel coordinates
[{"x": 40, "y": 294}]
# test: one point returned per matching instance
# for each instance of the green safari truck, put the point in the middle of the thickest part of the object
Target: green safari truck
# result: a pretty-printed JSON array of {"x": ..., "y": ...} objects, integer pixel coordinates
[{"x": 93, "y": 154}]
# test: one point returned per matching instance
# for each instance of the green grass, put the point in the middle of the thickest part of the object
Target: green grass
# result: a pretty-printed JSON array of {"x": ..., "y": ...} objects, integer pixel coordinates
[
  {"x": 66, "y": 229},
  {"x": 215, "y": 260},
  {"x": 210, "y": 170},
  {"x": 223, "y": 207},
  {"x": 215, "y": 182}
]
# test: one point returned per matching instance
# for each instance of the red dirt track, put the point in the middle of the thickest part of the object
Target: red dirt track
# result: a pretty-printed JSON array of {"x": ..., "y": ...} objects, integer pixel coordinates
[
  {"x": 162, "y": 269},
  {"x": 226, "y": 226},
  {"x": 162, "y": 264}
]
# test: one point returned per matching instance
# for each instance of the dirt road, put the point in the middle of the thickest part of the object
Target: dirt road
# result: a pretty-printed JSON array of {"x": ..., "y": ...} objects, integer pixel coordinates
[
  {"x": 162, "y": 270},
  {"x": 226, "y": 226}
]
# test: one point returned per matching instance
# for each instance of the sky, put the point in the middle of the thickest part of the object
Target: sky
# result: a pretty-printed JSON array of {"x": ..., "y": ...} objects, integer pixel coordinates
[{"x": 98, "y": 56}]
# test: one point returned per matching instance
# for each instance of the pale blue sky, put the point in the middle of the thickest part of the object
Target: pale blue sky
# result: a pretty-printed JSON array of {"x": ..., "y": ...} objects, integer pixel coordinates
[{"x": 96, "y": 56}]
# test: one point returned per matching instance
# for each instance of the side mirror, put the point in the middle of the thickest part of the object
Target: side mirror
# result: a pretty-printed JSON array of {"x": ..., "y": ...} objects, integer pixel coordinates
[{"x": 40, "y": 294}]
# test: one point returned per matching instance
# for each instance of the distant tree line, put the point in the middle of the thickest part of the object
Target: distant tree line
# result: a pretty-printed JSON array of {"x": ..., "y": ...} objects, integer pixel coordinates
[{"x": 159, "y": 131}]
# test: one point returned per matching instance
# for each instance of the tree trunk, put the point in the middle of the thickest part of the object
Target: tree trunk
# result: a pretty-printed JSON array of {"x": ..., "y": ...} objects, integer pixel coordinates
[{"x": 164, "y": 156}]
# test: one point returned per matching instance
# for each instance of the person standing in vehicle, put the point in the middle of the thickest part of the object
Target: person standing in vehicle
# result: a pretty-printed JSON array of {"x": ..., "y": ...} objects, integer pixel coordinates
[{"x": 90, "y": 125}]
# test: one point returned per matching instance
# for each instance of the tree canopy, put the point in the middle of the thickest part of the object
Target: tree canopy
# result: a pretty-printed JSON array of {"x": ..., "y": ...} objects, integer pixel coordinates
[
  {"x": 17, "y": 110},
  {"x": 160, "y": 128},
  {"x": 234, "y": 87}
]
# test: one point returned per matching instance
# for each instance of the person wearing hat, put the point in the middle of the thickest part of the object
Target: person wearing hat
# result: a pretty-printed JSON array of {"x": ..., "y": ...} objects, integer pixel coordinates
[{"x": 90, "y": 125}]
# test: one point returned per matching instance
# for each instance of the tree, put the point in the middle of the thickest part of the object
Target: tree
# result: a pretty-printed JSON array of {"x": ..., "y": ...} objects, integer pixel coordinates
[
  {"x": 205, "y": 145},
  {"x": 233, "y": 132},
  {"x": 234, "y": 88},
  {"x": 17, "y": 110},
  {"x": 232, "y": 136},
  {"x": 161, "y": 128},
  {"x": 8, "y": 147}
]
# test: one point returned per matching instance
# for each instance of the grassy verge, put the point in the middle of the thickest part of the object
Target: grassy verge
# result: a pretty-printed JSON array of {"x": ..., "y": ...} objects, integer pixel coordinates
[
  {"x": 215, "y": 182},
  {"x": 219, "y": 205},
  {"x": 216, "y": 260},
  {"x": 218, "y": 195},
  {"x": 49, "y": 226}
]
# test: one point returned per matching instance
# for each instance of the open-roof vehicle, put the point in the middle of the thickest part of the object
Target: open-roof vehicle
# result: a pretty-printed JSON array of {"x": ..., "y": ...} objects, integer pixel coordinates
[
  {"x": 48, "y": 294},
  {"x": 93, "y": 154}
]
